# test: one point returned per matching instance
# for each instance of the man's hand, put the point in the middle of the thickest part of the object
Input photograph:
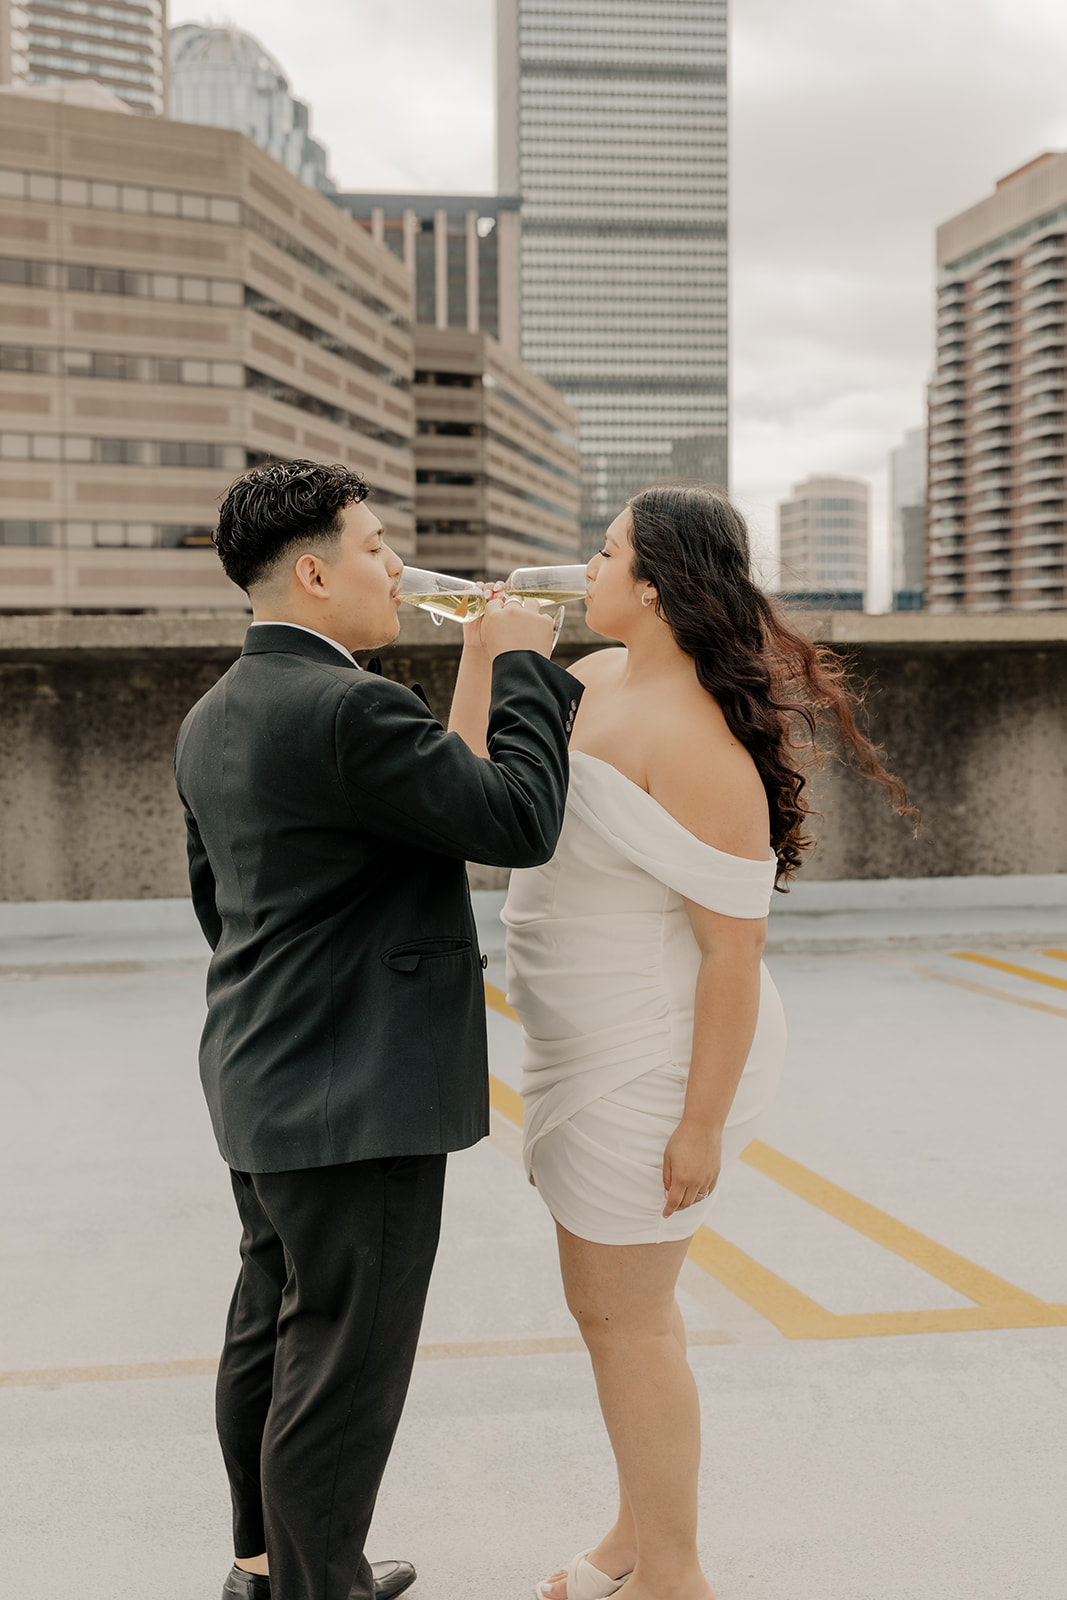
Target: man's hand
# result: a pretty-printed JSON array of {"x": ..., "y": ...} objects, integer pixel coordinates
[
  {"x": 691, "y": 1165},
  {"x": 474, "y": 632},
  {"x": 516, "y": 625}
]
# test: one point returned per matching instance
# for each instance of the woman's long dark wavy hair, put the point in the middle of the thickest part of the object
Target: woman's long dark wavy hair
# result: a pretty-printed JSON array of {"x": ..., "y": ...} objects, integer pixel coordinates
[{"x": 771, "y": 682}]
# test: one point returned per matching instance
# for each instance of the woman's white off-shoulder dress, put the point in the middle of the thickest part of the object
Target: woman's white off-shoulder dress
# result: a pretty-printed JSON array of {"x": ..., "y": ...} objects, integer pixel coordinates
[{"x": 602, "y": 967}]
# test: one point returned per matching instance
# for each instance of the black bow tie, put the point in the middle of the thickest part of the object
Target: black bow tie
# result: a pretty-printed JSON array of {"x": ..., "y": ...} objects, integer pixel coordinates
[{"x": 375, "y": 665}]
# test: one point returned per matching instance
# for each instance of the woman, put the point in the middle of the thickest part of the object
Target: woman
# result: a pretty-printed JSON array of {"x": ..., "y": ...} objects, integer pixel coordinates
[{"x": 654, "y": 1037}]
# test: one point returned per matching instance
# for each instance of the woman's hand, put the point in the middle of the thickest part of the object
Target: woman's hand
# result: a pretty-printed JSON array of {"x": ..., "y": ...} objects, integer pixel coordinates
[
  {"x": 514, "y": 624},
  {"x": 691, "y": 1165}
]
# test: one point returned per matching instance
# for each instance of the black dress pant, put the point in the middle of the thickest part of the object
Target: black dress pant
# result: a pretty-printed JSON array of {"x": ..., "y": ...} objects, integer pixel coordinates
[{"x": 320, "y": 1342}]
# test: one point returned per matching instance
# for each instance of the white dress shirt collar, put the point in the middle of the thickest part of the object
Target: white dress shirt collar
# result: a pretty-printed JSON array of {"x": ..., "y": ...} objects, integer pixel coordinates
[{"x": 314, "y": 634}]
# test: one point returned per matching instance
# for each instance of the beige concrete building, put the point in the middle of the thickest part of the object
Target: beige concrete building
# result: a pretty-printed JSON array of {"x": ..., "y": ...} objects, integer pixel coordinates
[
  {"x": 822, "y": 537},
  {"x": 174, "y": 307},
  {"x": 496, "y": 459},
  {"x": 119, "y": 43},
  {"x": 995, "y": 498}
]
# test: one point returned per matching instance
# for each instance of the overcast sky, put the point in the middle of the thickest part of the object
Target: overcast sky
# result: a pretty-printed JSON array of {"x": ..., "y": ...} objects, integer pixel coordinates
[{"x": 856, "y": 126}]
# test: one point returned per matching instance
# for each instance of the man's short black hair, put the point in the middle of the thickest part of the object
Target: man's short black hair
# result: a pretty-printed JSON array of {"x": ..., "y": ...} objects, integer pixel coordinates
[{"x": 275, "y": 509}]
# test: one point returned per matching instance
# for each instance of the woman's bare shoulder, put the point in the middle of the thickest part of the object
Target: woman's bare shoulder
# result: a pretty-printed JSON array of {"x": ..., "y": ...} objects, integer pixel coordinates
[
  {"x": 703, "y": 775},
  {"x": 593, "y": 667}
]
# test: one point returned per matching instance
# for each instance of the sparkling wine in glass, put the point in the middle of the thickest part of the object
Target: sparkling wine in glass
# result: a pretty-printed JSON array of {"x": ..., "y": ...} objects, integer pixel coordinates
[
  {"x": 442, "y": 595},
  {"x": 549, "y": 586}
]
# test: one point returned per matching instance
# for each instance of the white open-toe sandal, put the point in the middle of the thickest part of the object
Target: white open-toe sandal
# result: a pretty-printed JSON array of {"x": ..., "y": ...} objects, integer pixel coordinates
[{"x": 584, "y": 1581}]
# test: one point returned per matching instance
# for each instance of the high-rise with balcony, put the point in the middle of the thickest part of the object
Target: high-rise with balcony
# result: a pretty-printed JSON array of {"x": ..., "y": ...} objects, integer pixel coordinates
[
  {"x": 612, "y": 129},
  {"x": 995, "y": 497},
  {"x": 121, "y": 44}
]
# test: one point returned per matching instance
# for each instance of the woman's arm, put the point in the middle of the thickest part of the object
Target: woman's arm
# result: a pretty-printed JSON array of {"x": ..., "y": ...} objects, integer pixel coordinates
[
  {"x": 705, "y": 778},
  {"x": 726, "y": 1007},
  {"x": 469, "y": 713}
]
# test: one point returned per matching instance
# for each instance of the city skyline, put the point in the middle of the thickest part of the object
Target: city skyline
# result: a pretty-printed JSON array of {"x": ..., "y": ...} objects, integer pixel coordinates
[{"x": 832, "y": 239}]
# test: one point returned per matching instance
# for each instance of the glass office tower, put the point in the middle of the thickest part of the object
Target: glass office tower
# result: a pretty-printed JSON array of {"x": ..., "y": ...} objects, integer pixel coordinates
[
  {"x": 612, "y": 128},
  {"x": 224, "y": 78}
]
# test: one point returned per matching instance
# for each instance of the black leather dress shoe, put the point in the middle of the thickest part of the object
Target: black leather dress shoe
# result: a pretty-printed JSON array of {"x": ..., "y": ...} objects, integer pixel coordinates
[
  {"x": 245, "y": 1586},
  {"x": 390, "y": 1579}
]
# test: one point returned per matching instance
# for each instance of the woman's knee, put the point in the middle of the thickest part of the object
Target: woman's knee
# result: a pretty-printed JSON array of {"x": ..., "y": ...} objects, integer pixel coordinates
[{"x": 602, "y": 1326}]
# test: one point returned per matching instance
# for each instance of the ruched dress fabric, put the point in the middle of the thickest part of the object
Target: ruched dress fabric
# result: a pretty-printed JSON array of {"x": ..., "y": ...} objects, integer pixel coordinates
[{"x": 602, "y": 967}]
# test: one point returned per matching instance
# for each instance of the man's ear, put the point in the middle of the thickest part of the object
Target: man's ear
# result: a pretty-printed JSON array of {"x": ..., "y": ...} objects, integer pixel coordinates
[{"x": 309, "y": 574}]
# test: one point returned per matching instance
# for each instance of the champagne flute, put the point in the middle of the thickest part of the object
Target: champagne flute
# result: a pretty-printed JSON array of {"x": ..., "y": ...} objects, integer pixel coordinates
[
  {"x": 442, "y": 595},
  {"x": 548, "y": 586}
]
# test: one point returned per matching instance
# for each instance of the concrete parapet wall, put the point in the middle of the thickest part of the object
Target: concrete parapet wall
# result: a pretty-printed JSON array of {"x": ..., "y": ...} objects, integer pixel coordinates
[{"x": 972, "y": 712}]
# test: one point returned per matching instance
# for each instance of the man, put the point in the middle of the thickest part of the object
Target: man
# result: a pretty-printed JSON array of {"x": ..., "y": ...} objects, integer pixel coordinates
[{"x": 329, "y": 818}]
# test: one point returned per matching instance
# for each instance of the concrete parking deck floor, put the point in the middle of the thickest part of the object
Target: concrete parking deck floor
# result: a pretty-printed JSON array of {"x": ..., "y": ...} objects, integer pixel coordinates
[{"x": 879, "y": 1318}]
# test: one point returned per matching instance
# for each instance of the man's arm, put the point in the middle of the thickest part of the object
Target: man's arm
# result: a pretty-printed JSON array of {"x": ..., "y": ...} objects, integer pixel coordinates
[
  {"x": 202, "y": 882},
  {"x": 412, "y": 783}
]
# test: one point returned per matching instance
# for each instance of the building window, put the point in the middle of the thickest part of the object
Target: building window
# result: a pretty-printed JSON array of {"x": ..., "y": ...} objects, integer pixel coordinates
[
  {"x": 119, "y": 452},
  {"x": 285, "y": 394},
  {"x": 121, "y": 365},
  {"x": 263, "y": 306}
]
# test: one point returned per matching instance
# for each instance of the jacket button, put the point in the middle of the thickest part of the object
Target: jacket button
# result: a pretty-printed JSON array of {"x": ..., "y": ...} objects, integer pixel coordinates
[{"x": 485, "y": 962}]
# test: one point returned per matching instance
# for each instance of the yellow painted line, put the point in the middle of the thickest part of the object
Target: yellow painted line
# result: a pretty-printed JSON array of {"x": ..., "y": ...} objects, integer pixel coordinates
[
  {"x": 798, "y": 1317},
  {"x": 502, "y": 1097},
  {"x": 791, "y": 1312},
  {"x": 121, "y": 1372},
  {"x": 472, "y": 1350},
  {"x": 496, "y": 998},
  {"x": 998, "y": 1304},
  {"x": 985, "y": 989},
  {"x": 1029, "y": 973},
  {"x": 961, "y": 1319},
  {"x": 983, "y": 1287},
  {"x": 480, "y": 1349},
  {"x": 954, "y": 982},
  {"x": 1057, "y": 955},
  {"x": 475, "y": 1349},
  {"x": 506, "y": 1100}
]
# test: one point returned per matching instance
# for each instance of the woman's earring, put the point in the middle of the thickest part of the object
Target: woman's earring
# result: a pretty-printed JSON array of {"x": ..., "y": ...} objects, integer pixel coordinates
[{"x": 647, "y": 598}]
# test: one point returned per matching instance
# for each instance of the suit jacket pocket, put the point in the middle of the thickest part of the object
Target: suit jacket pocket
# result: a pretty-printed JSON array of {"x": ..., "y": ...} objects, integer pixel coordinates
[{"x": 407, "y": 957}]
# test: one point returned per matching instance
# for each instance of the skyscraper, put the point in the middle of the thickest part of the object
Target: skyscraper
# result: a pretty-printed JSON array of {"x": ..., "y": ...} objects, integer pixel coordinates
[
  {"x": 612, "y": 129},
  {"x": 822, "y": 533},
  {"x": 995, "y": 501},
  {"x": 121, "y": 44},
  {"x": 907, "y": 519},
  {"x": 225, "y": 78}
]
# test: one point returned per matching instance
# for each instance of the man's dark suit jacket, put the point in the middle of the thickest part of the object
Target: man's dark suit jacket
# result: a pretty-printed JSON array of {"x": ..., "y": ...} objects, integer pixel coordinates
[{"x": 329, "y": 820}]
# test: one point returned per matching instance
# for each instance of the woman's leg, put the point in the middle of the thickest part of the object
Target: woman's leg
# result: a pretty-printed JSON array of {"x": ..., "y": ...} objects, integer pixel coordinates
[
  {"x": 616, "y": 1553},
  {"x": 622, "y": 1297}
]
